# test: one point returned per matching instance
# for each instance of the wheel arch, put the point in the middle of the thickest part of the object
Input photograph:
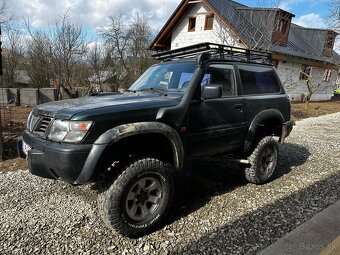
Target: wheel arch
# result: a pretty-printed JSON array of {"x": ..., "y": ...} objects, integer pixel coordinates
[
  {"x": 149, "y": 133},
  {"x": 267, "y": 122}
]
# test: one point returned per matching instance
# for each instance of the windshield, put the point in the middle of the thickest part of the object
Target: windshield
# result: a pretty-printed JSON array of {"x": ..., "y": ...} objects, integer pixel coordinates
[{"x": 168, "y": 77}]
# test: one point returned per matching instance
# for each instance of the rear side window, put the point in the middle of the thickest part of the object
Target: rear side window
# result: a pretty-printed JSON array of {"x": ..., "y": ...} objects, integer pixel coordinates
[{"x": 258, "y": 80}]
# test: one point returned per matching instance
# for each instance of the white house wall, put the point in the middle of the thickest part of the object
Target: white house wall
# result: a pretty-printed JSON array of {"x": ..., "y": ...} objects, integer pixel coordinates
[
  {"x": 289, "y": 73},
  {"x": 219, "y": 34}
]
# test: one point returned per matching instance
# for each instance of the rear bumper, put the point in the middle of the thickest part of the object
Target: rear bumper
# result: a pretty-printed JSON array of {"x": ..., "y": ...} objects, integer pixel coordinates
[
  {"x": 287, "y": 127},
  {"x": 54, "y": 160}
]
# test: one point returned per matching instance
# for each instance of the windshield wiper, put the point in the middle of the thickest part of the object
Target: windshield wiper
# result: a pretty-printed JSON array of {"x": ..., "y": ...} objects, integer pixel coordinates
[
  {"x": 131, "y": 90},
  {"x": 164, "y": 93}
]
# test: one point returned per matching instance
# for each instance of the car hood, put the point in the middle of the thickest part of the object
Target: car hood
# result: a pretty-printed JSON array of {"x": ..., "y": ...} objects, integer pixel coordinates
[{"x": 65, "y": 109}]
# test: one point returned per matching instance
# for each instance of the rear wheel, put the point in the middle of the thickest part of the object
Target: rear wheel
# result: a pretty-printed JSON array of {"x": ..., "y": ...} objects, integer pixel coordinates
[
  {"x": 137, "y": 200},
  {"x": 263, "y": 161}
]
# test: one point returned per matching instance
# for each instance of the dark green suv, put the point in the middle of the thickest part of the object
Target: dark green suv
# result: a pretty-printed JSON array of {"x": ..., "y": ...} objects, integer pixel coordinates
[{"x": 203, "y": 100}]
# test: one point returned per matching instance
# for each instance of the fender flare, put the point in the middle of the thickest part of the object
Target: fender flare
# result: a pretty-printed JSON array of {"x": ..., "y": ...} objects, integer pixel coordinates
[
  {"x": 118, "y": 133},
  {"x": 260, "y": 117}
]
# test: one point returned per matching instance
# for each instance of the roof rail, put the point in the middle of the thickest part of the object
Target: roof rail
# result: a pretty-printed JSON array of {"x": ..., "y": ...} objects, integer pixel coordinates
[{"x": 217, "y": 50}]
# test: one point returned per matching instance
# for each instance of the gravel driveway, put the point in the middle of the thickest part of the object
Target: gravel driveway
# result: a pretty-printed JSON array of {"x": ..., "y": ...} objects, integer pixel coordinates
[{"x": 215, "y": 210}]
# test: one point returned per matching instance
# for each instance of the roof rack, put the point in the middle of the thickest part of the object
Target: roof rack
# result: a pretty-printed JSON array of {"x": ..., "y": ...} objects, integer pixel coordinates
[{"x": 217, "y": 51}]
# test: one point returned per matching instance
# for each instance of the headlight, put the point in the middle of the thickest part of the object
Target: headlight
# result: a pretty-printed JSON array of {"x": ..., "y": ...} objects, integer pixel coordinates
[
  {"x": 32, "y": 121},
  {"x": 29, "y": 121},
  {"x": 68, "y": 131}
]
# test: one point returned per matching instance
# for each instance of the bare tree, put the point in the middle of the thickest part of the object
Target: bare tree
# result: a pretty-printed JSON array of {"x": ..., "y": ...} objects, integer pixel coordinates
[
  {"x": 5, "y": 18},
  {"x": 95, "y": 57},
  {"x": 333, "y": 18},
  {"x": 310, "y": 78},
  {"x": 56, "y": 56},
  {"x": 127, "y": 43},
  {"x": 14, "y": 53},
  {"x": 116, "y": 41},
  {"x": 140, "y": 35},
  {"x": 68, "y": 49},
  {"x": 38, "y": 57},
  {"x": 5, "y": 15}
]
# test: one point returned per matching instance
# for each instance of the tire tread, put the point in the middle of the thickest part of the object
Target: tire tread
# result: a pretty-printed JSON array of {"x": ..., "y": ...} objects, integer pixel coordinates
[
  {"x": 108, "y": 201},
  {"x": 251, "y": 172}
]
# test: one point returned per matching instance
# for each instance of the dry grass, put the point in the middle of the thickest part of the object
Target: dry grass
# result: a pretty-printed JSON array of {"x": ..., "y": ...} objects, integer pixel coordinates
[{"x": 299, "y": 110}]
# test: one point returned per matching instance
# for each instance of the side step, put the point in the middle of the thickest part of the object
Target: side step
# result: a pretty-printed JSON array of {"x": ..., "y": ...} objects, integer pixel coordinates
[{"x": 236, "y": 160}]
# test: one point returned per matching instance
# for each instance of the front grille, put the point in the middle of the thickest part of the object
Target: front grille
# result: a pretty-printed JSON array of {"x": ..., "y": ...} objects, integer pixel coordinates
[
  {"x": 43, "y": 125},
  {"x": 38, "y": 124}
]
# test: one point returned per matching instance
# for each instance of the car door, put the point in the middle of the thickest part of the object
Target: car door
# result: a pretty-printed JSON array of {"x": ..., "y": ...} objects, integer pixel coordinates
[{"x": 216, "y": 125}]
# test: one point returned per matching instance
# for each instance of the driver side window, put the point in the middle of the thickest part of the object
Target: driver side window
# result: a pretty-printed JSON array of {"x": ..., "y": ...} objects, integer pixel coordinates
[{"x": 221, "y": 74}]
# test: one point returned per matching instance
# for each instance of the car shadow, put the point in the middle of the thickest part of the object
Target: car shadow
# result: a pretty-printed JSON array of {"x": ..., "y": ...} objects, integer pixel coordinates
[
  {"x": 254, "y": 231},
  {"x": 201, "y": 179},
  {"x": 291, "y": 155}
]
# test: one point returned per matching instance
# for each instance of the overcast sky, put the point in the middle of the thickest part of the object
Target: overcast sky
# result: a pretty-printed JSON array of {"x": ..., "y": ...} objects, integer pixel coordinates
[{"x": 93, "y": 13}]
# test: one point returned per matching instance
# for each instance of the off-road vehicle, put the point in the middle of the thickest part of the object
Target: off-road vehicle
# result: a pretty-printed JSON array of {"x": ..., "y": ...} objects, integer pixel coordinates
[{"x": 202, "y": 100}]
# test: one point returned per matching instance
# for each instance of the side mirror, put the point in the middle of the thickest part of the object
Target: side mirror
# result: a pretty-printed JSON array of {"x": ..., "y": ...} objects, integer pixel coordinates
[{"x": 211, "y": 91}]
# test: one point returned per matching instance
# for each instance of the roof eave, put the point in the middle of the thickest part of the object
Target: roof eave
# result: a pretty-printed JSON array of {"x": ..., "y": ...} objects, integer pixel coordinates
[
  {"x": 155, "y": 42},
  {"x": 266, "y": 9},
  {"x": 324, "y": 61}
]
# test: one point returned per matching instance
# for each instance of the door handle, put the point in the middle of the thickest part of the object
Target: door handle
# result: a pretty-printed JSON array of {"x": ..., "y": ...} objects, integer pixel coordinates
[{"x": 238, "y": 106}]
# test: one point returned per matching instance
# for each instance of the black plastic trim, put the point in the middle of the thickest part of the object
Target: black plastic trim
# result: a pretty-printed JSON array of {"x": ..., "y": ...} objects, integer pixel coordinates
[
  {"x": 55, "y": 160},
  {"x": 266, "y": 114}
]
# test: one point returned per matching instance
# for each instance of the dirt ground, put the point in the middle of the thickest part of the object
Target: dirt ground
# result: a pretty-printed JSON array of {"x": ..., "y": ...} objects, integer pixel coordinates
[
  {"x": 12, "y": 162},
  {"x": 299, "y": 110}
]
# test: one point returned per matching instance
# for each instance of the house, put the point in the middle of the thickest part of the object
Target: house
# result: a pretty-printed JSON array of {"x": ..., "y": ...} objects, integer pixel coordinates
[{"x": 303, "y": 56}]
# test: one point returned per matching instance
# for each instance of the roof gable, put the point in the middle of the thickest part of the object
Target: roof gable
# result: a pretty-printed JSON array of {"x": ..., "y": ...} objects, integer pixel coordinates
[{"x": 163, "y": 36}]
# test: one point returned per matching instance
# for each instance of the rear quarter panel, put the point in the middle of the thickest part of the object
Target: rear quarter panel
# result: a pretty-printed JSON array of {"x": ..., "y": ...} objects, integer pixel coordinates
[{"x": 255, "y": 103}]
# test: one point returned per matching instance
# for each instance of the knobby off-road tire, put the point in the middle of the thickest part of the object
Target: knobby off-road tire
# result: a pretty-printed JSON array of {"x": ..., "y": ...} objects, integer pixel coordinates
[
  {"x": 138, "y": 198},
  {"x": 263, "y": 161}
]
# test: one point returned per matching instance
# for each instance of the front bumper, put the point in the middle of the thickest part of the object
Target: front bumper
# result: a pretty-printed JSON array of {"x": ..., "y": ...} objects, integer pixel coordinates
[{"x": 55, "y": 160}]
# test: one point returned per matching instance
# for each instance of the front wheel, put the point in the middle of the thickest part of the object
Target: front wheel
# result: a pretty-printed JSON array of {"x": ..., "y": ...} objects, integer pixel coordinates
[
  {"x": 262, "y": 161},
  {"x": 138, "y": 199}
]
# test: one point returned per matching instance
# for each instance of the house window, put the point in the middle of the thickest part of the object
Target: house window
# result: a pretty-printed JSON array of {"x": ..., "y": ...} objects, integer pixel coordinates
[
  {"x": 330, "y": 41},
  {"x": 327, "y": 75},
  {"x": 209, "y": 21},
  {"x": 192, "y": 24},
  {"x": 304, "y": 72},
  {"x": 282, "y": 25}
]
